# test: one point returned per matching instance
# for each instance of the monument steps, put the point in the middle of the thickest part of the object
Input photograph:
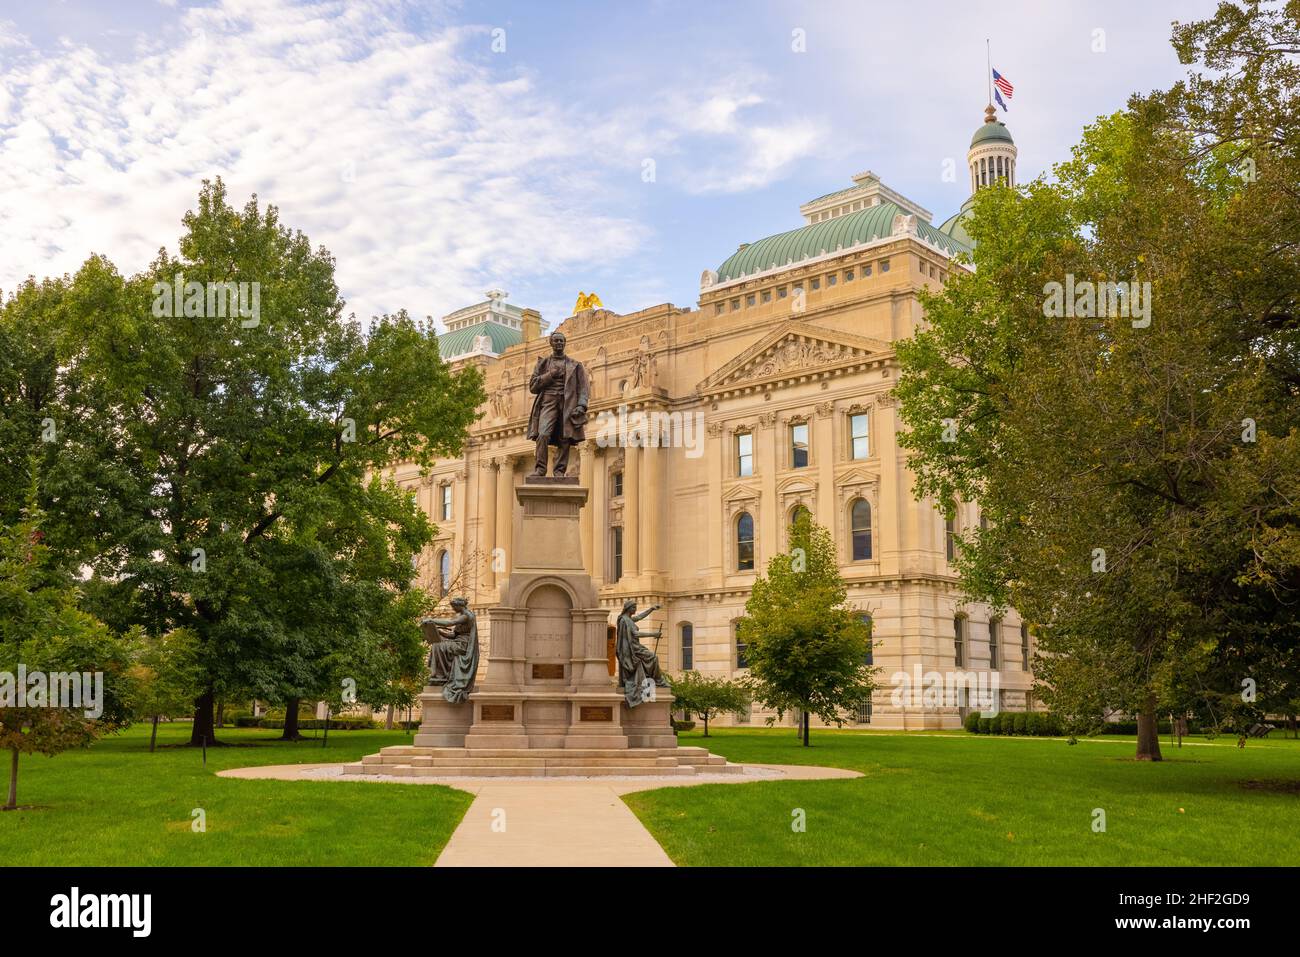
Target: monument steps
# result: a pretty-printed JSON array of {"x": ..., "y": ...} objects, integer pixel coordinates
[{"x": 414, "y": 761}]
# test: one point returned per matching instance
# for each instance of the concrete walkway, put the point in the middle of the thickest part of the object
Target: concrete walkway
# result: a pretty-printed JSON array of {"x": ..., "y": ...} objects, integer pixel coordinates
[{"x": 550, "y": 822}]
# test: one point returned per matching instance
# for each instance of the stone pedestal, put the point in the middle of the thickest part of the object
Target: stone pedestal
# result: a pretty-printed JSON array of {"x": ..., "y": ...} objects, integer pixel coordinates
[{"x": 547, "y": 691}]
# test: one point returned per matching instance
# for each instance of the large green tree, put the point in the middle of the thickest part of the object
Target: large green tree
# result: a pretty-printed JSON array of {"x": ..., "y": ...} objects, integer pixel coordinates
[
  {"x": 806, "y": 648},
  {"x": 242, "y": 496},
  {"x": 1138, "y": 472}
]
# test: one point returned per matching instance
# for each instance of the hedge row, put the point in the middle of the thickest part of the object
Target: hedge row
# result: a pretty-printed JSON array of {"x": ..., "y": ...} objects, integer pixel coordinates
[
  {"x": 344, "y": 723},
  {"x": 1036, "y": 723},
  {"x": 1046, "y": 724}
]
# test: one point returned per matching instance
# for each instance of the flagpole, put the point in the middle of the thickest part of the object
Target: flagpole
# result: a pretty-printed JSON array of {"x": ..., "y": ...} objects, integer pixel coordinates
[{"x": 988, "y": 73}]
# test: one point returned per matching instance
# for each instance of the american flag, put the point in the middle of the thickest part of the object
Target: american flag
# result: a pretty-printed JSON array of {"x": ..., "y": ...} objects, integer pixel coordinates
[{"x": 1003, "y": 84}]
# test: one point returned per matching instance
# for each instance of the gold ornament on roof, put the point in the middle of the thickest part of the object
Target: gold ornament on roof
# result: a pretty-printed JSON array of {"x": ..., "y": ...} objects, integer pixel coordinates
[{"x": 587, "y": 300}]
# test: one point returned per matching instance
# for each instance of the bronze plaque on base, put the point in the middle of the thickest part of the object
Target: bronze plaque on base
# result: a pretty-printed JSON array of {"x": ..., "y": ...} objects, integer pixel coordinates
[
  {"x": 596, "y": 713},
  {"x": 548, "y": 671},
  {"x": 498, "y": 712}
]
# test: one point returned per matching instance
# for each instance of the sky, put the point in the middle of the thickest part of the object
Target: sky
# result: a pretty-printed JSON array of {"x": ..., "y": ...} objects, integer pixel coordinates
[{"x": 439, "y": 150}]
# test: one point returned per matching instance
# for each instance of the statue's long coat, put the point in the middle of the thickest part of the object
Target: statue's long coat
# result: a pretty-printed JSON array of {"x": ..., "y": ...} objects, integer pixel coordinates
[{"x": 576, "y": 393}]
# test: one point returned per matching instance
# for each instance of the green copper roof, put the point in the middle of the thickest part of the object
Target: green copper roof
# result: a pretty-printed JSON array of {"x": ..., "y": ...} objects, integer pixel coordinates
[
  {"x": 991, "y": 131},
  {"x": 955, "y": 225},
  {"x": 840, "y": 232},
  {"x": 460, "y": 341}
]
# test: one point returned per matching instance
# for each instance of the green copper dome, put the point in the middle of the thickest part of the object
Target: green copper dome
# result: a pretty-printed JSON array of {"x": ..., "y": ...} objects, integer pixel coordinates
[
  {"x": 991, "y": 131},
  {"x": 955, "y": 225},
  {"x": 817, "y": 239},
  {"x": 460, "y": 341}
]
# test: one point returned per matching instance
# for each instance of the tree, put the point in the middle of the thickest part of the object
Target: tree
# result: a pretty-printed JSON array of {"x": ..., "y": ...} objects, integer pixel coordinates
[
  {"x": 167, "y": 675},
  {"x": 807, "y": 650},
  {"x": 45, "y": 636},
  {"x": 1139, "y": 475},
  {"x": 247, "y": 502},
  {"x": 708, "y": 695}
]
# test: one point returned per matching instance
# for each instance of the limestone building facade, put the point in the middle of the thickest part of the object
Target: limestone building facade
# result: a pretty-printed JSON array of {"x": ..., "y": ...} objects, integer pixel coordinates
[{"x": 774, "y": 394}]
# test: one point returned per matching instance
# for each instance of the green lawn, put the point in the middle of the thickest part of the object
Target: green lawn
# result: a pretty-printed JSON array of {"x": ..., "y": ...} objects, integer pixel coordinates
[
  {"x": 117, "y": 804},
  {"x": 979, "y": 800}
]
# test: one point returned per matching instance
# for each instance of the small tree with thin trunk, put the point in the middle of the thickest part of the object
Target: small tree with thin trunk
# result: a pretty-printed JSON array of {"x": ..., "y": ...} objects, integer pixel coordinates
[
  {"x": 167, "y": 675},
  {"x": 708, "y": 695},
  {"x": 807, "y": 650}
]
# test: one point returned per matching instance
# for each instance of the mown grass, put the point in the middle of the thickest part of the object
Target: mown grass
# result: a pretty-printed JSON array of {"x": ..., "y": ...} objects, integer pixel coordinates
[
  {"x": 117, "y": 804},
  {"x": 979, "y": 800}
]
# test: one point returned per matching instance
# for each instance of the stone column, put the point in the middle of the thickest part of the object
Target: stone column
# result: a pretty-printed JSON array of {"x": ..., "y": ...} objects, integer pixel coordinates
[
  {"x": 893, "y": 499},
  {"x": 719, "y": 457},
  {"x": 586, "y": 469},
  {"x": 598, "y": 512},
  {"x": 652, "y": 514},
  {"x": 487, "y": 518},
  {"x": 505, "y": 511},
  {"x": 632, "y": 512},
  {"x": 769, "y": 517}
]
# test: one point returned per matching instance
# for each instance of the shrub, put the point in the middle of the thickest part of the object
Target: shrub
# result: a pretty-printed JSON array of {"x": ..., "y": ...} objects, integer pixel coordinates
[
  {"x": 1019, "y": 720},
  {"x": 972, "y": 722},
  {"x": 683, "y": 725},
  {"x": 986, "y": 726},
  {"x": 1006, "y": 723},
  {"x": 1031, "y": 722}
]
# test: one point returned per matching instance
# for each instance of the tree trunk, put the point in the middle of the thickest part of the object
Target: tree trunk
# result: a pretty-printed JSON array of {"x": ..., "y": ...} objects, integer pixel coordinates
[
  {"x": 12, "y": 803},
  {"x": 153, "y": 735},
  {"x": 388, "y": 721},
  {"x": 705, "y": 716},
  {"x": 805, "y": 729},
  {"x": 291, "y": 720},
  {"x": 1148, "y": 744},
  {"x": 325, "y": 739},
  {"x": 221, "y": 714},
  {"x": 202, "y": 732}
]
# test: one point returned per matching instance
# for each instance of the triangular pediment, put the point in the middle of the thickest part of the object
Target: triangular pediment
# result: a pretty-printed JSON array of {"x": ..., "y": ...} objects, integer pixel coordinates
[{"x": 795, "y": 349}]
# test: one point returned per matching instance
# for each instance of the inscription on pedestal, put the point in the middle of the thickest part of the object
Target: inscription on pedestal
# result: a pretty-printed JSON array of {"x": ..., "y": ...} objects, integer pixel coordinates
[
  {"x": 548, "y": 670},
  {"x": 498, "y": 712},
  {"x": 596, "y": 713}
]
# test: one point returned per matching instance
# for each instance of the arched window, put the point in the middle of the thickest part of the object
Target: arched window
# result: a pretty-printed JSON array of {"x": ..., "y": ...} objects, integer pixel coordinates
[
  {"x": 860, "y": 525},
  {"x": 796, "y": 512},
  {"x": 688, "y": 646},
  {"x": 745, "y": 542},
  {"x": 444, "y": 572}
]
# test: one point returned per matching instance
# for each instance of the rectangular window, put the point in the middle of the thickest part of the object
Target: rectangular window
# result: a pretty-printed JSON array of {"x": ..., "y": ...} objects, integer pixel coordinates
[
  {"x": 616, "y": 553},
  {"x": 950, "y": 539},
  {"x": 750, "y": 300},
  {"x": 446, "y": 502},
  {"x": 815, "y": 282},
  {"x": 781, "y": 292},
  {"x": 745, "y": 454},
  {"x": 995, "y": 636},
  {"x": 741, "y": 660},
  {"x": 718, "y": 307},
  {"x": 799, "y": 445},
  {"x": 616, "y": 484},
  {"x": 860, "y": 435},
  {"x": 688, "y": 646},
  {"x": 735, "y": 305},
  {"x": 1024, "y": 647},
  {"x": 767, "y": 295},
  {"x": 959, "y": 641}
]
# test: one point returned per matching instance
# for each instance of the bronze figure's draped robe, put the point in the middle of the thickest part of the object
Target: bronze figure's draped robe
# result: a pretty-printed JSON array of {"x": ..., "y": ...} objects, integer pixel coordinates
[
  {"x": 453, "y": 658},
  {"x": 636, "y": 662},
  {"x": 559, "y": 413}
]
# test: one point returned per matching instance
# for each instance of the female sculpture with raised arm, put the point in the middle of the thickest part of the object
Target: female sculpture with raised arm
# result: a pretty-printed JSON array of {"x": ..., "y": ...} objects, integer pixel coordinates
[{"x": 636, "y": 662}]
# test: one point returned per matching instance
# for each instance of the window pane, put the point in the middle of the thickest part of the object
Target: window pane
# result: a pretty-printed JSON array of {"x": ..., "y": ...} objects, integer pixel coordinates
[
  {"x": 959, "y": 641},
  {"x": 616, "y": 552},
  {"x": 688, "y": 646},
  {"x": 858, "y": 431},
  {"x": 745, "y": 542},
  {"x": 745, "y": 454},
  {"x": 995, "y": 635},
  {"x": 799, "y": 445},
  {"x": 861, "y": 527}
]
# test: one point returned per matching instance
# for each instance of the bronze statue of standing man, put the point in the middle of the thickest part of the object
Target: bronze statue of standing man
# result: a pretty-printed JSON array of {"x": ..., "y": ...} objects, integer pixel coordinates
[{"x": 559, "y": 415}]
